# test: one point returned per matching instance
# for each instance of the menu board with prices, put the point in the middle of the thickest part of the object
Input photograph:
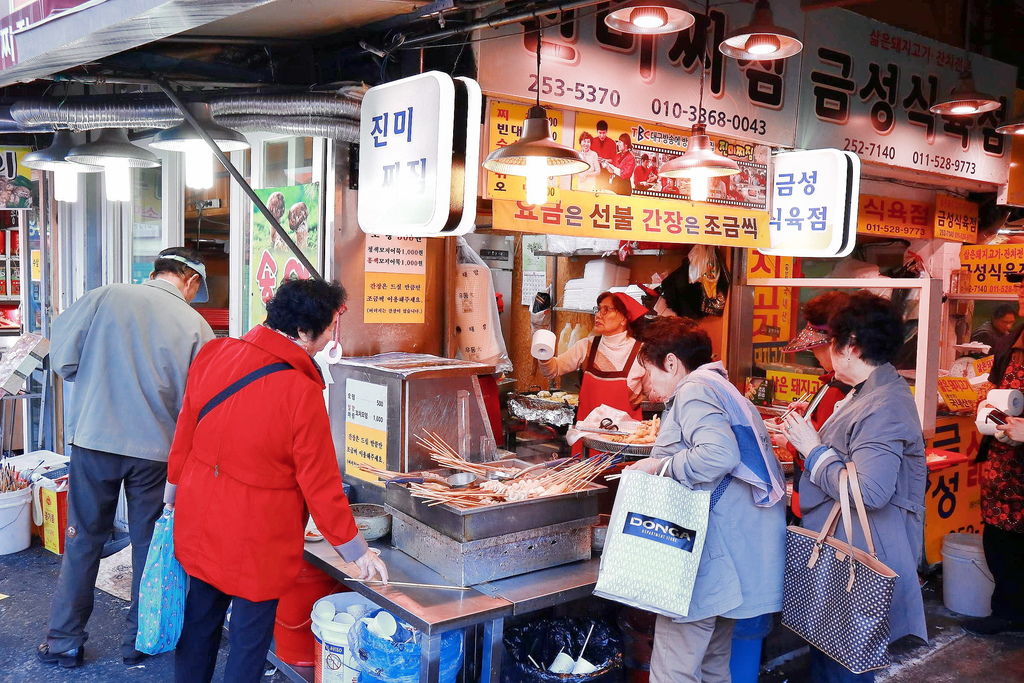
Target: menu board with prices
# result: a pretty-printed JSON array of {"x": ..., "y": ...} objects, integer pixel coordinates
[
  {"x": 395, "y": 279},
  {"x": 366, "y": 428}
]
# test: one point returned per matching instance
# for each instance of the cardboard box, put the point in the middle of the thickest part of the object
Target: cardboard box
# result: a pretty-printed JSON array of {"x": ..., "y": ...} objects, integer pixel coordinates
[
  {"x": 55, "y": 518},
  {"x": 20, "y": 360}
]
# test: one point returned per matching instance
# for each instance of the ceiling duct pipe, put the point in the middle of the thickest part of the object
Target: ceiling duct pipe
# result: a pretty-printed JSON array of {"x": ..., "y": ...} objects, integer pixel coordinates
[
  {"x": 146, "y": 112},
  {"x": 346, "y": 130}
]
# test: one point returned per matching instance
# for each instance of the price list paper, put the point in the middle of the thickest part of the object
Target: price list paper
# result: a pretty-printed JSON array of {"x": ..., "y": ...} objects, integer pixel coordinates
[
  {"x": 366, "y": 428},
  {"x": 395, "y": 279}
]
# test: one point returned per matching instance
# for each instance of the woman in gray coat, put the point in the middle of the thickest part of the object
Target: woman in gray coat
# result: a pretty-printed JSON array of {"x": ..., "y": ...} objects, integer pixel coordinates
[
  {"x": 716, "y": 442},
  {"x": 877, "y": 428}
]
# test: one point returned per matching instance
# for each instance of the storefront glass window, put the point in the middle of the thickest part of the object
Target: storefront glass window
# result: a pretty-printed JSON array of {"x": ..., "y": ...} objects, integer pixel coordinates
[
  {"x": 287, "y": 161},
  {"x": 147, "y": 237}
]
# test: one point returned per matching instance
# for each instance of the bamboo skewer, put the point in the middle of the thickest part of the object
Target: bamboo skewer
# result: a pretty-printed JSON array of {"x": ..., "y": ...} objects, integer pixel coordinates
[{"x": 10, "y": 479}]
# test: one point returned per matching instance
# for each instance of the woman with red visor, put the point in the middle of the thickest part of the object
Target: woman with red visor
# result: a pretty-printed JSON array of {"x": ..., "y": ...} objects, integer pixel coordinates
[{"x": 611, "y": 374}]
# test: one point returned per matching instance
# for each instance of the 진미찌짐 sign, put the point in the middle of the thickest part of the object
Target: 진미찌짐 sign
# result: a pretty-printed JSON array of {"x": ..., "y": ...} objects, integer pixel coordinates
[
  {"x": 813, "y": 203},
  {"x": 419, "y": 140},
  {"x": 866, "y": 87},
  {"x": 587, "y": 65}
]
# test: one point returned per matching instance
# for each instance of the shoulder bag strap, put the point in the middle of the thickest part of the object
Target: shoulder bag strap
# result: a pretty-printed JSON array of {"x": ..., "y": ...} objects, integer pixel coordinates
[
  {"x": 862, "y": 513},
  {"x": 240, "y": 384}
]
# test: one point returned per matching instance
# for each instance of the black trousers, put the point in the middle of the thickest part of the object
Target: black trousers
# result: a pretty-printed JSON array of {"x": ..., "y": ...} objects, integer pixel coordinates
[
  {"x": 94, "y": 486},
  {"x": 1004, "y": 552},
  {"x": 251, "y": 629}
]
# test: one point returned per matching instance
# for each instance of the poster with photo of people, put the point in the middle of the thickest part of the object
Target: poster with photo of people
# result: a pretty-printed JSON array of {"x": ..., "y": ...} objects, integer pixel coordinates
[{"x": 625, "y": 157}]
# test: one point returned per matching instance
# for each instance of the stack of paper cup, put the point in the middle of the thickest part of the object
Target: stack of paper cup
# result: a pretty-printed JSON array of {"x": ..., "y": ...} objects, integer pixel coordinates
[
  {"x": 1010, "y": 401},
  {"x": 543, "y": 346}
]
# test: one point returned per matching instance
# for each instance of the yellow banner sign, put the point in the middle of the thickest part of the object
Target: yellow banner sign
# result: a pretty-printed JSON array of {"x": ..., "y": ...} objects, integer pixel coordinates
[
  {"x": 983, "y": 366},
  {"x": 982, "y": 268},
  {"x": 789, "y": 386},
  {"x": 584, "y": 214},
  {"x": 956, "y": 219},
  {"x": 364, "y": 446},
  {"x": 773, "y": 306},
  {"x": 958, "y": 393},
  {"x": 889, "y": 217},
  {"x": 952, "y": 505},
  {"x": 394, "y": 298}
]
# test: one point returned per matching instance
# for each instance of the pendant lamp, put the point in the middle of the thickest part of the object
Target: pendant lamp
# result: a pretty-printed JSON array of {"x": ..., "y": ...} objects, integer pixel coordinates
[
  {"x": 113, "y": 151},
  {"x": 65, "y": 173},
  {"x": 1012, "y": 127},
  {"x": 761, "y": 38},
  {"x": 965, "y": 99},
  {"x": 198, "y": 157},
  {"x": 535, "y": 155},
  {"x": 650, "y": 17},
  {"x": 700, "y": 161}
]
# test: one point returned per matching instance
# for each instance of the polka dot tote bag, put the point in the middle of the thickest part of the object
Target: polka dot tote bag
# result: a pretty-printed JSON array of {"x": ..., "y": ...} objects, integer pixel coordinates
[
  {"x": 836, "y": 596},
  {"x": 161, "y": 592}
]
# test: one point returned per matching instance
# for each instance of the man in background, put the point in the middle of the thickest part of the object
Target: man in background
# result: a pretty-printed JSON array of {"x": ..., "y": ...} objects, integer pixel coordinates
[
  {"x": 1003, "y": 318},
  {"x": 126, "y": 349}
]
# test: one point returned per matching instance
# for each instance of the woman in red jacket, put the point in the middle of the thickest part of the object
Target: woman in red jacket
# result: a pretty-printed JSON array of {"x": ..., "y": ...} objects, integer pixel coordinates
[{"x": 252, "y": 451}]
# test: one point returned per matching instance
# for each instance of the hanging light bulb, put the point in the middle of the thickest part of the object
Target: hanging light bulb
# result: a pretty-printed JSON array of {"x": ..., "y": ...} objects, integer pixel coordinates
[
  {"x": 535, "y": 154},
  {"x": 761, "y": 38},
  {"x": 199, "y": 167},
  {"x": 965, "y": 99},
  {"x": 117, "y": 181},
  {"x": 536, "y": 181},
  {"x": 65, "y": 185},
  {"x": 650, "y": 17},
  {"x": 699, "y": 188},
  {"x": 699, "y": 161},
  {"x": 65, "y": 172},
  {"x": 1012, "y": 127}
]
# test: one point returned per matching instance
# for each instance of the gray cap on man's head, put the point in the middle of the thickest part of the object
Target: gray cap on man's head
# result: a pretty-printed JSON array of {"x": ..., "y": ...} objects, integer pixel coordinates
[{"x": 203, "y": 295}]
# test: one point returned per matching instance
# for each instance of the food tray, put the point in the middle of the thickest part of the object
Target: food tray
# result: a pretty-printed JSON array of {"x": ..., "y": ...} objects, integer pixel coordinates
[
  {"x": 597, "y": 444},
  {"x": 498, "y": 519}
]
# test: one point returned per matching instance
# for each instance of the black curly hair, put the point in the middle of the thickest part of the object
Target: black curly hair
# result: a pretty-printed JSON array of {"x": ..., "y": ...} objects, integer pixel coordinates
[
  {"x": 304, "y": 305},
  {"x": 870, "y": 323}
]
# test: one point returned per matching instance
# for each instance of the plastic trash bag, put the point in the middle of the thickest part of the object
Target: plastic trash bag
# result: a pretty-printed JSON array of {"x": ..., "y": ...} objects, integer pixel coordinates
[
  {"x": 544, "y": 639},
  {"x": 161, "y": 592},
  {"x": 477, "y": 326},
  {"x": 398, "y": 660}
]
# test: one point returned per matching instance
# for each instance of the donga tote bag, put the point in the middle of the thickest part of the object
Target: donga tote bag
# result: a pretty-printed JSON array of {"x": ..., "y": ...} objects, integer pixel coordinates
[
  {"x": 654, "y": 542},
  {"x": 161, "y": 592},
  {"x": 836, "y": 596}
]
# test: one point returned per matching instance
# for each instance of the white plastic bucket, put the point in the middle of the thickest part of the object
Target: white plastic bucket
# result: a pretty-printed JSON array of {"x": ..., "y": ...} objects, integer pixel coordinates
[
  {"x": 966, "y": 581},
  {"x": 333, "y": 663},
  {"x": 15, "y": 520}
]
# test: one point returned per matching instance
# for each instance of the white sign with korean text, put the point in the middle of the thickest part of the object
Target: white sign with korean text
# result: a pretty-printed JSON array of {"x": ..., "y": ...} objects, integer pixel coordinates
[
  {"x": 586, "y": 65},
  {"x": 813, "y": 208},
  {"x": 417, "y": 135},
  {"x": 866, "y": 88}
]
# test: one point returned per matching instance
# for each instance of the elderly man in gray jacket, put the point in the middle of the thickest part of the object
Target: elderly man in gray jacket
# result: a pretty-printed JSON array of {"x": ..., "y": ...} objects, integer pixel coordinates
[{"x": 127, "y": 350}]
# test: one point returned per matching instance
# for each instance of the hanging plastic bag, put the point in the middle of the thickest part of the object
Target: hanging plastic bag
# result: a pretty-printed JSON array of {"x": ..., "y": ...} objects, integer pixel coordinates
[
  {"x": 161, "y": 592},
  {"x": 477, "y": 327}
]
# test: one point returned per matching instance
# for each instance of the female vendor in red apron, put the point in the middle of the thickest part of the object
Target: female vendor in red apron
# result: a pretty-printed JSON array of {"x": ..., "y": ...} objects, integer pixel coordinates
[{"x": 611, "y": 374}]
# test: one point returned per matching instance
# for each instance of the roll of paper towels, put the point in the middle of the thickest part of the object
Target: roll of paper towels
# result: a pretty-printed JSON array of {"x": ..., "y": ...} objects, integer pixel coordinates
[
  {"x": 543, "y": 347},
  {"x": 1010, "y": 401},
  {"x": 985, "y": 426}
]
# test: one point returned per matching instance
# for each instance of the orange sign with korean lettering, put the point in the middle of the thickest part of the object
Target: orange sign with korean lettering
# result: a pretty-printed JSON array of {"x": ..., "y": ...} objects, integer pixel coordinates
[
  {"x": 957, "y": 393},
  {"x": 955, "y": 219},
  {"x": 983, "y": 268},
  {"x": 890, "y": 217},
  {"x": 773, "y": 306},
  {"x": 584, "y": 214}
]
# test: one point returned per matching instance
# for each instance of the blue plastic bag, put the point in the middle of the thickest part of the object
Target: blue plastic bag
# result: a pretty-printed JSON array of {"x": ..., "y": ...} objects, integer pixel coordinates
[
  {"x": 161, "y": 592},
  {"x": 387, "y": 661}
]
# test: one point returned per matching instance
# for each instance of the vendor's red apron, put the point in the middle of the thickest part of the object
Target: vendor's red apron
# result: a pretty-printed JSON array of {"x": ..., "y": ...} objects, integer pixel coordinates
[{"x": 605, "y": 387}]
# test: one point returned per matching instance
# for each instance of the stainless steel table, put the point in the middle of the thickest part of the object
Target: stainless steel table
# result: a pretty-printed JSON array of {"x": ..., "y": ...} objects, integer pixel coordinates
[
  {"x": 434, "y": 611},
  {"x": 431, "y": 611}
]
